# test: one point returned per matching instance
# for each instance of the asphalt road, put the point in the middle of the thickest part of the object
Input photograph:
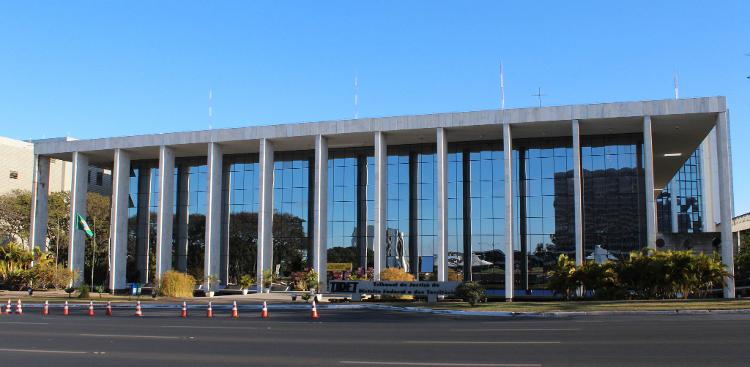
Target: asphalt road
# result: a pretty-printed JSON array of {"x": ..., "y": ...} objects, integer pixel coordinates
[{"x": 371, "y": 338}]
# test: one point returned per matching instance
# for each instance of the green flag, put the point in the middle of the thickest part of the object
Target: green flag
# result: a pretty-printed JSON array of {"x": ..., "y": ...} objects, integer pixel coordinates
[{"x": 81, "y": 224}]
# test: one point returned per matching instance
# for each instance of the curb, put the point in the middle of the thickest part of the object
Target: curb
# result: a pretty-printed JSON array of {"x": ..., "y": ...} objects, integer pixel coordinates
[{"x": 404, "y": 309}]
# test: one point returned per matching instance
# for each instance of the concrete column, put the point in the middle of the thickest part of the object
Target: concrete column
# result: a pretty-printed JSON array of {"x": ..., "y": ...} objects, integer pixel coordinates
[
  {"x": 118, "y": 229},
  {"x": 225, "y": 196},
  {"x": 508, "y": 165},
  {"x": 165, "y": 215},
  {"x": 726, "y": 197},
  {"x": 578, "y": 193},
  {"x": 648, "y": 158},
  {"x": 381, "y": 201},
  {"x": 39, "y": 203},
  {"x": 320, "y": 214},
  {"x": 78, "y": 190},
  {"x": 212, "y": 258},
  {"x": 183, "y": 216},
  {"x": 442, "y": 204},
  {"x": 143, "y": 230},
  {"x": 265, "y": 213}
]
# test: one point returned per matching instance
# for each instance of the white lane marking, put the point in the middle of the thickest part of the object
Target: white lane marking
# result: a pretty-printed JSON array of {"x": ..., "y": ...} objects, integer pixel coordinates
[
  {"x": 477, "y": 342},
  {"x": 518, "y": 329},
  {"x": 393, "y": 363},
  {"x": 24, "y": 323},
  {"x": 46, "y": 351},
  {"x": 132, "y": 336},
  {"x": 210, "y": 327}
]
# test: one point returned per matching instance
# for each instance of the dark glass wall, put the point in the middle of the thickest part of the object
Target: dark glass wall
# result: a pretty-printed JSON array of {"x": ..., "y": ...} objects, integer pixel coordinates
[
  {"x": 196, "y": 193},
  {"x": 348, "y": 207},
  {"x": 613, "y": 193},
  {"x": 543, "y": 175},
  {"x": 243, "y": 215},
  {"x": 292, "y": 212},
  {"x": 683, "y": 197},
  {"x": 411, "y": 209},
  {"x": 476, "y": 213}
]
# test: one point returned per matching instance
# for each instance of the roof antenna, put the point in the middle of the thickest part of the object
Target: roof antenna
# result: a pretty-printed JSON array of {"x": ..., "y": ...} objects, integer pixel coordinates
[
  {"x": 356, "y": 96},
  {"x": 539, "y": 95},
  {"x": 210, "y": 108},
  {"x": 676, "y": 87}
]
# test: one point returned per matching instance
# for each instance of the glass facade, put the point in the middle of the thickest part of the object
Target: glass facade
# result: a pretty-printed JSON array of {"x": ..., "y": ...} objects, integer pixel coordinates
[
  {"x": 349, "y": 208},
  {"x": 683, "y": 198},
  {"x": 543, "y": 170},
  {"x": 476, "y": 213},
  {"x": 244, "y": 202},
  {"x": 196, "y": 192},
  {"x": 543, "y": 208},
  {"x": 292, "y": 212},
  {"x": 613, "y": 193},
  {"x": 412, "y": 227}
]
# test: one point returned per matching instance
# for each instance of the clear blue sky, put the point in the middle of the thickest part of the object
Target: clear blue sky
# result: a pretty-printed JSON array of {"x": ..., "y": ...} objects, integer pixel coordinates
[{"x": 101, "y": 68}]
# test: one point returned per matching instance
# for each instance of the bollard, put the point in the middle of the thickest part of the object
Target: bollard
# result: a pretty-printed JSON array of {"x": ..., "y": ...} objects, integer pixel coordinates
[
  {"x": 45, "y": 310},
  {"x": 109, "y": 309},
  {"x": 138, "y": 311},
  {"x": 183, "y": 314},
  {"x": 209, "y": 311},
  {"x": 91, "y": 308},
  {"x": 66, "y": 311}
]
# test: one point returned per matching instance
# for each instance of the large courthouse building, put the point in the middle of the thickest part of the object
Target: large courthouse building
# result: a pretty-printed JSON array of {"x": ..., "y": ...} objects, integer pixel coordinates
[{"x": 493, "y": 196}]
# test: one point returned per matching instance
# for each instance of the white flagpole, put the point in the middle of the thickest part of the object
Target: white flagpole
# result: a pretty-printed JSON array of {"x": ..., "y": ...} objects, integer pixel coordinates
[
  {"x": 356, "y": 96},
  {"x": 502, "y": 87},
  {"x": 210, "y": 108},
  {"x": 676, "y": 87}
]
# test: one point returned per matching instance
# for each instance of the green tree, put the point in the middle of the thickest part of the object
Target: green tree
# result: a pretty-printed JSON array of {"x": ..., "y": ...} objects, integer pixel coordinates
[
  {"x": 96, "y": 263},
  {"x": 15, "y": 216}
]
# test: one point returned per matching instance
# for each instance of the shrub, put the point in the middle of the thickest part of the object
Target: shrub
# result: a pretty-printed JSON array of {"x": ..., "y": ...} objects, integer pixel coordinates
[
  {"x": 83, "y": 291},
  {"x": 267, "y": 278},
  {"x": 646, "y": 274},
  {"x": 176, "y": 284},
  {"x": 562, "y": 277},
  {"x": 471, "y": 292},
  {"x": 246, "y": 281},
  {"x": 396, "y": 274},
  {"x": 51, "y": 276}
]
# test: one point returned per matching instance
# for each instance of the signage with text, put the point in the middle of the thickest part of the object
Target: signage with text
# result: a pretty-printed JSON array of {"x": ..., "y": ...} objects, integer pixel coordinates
[{"x": 425, "y": 288}]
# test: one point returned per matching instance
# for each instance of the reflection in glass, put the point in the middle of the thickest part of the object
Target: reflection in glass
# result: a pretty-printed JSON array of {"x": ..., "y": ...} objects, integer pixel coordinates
[
  {"x": 291, "y": 219},
  {"x": 613, "y": 193},
  {"x": 243, "y": 215},
  {"x": 683, "y": 198},
  {"x": 543, "y": 172}
]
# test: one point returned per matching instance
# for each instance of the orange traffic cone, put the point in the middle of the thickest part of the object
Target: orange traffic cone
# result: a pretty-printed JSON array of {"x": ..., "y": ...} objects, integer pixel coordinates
[
  {"x": 91, "y": 308},
  {"x": 264, "y": 311},
  {"x": 19, "y": 308},
  {"x": 314, "y": 313},
  {"x": 66, "y": 312},
  {"x": 7, "y": 308},
  {"x": 45, "y": 310},
  {"x": 183, "y": 314},
  {"x": 138, "y": 311},
  {"x": 235, "y": 313},
  {"x": 209, "y": 311},
  {"x": 109, "y": 309}
]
